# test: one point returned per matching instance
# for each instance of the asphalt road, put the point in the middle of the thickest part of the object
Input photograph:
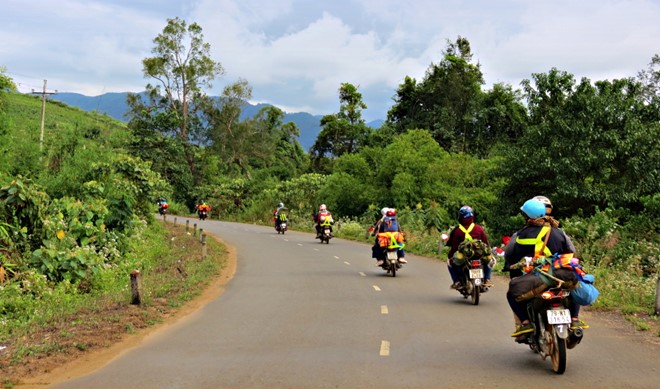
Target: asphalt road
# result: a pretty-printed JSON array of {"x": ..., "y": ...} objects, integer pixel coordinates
[{"x": 300, "y": 314}]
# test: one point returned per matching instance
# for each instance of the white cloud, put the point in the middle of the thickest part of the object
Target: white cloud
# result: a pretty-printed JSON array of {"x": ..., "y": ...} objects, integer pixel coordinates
[{"x": 296, "y": 53}]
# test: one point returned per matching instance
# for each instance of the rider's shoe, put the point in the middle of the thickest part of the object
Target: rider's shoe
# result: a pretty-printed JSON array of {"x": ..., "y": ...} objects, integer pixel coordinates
[
  {"x": 523, "y": 329},
  {"x": 402, "y": 260},
  {"x": 380, "y": 262},
  {"x": 488, "y": 283},
  {"x": 578, "y": 323},
  {"x": 456, "y": 285}
]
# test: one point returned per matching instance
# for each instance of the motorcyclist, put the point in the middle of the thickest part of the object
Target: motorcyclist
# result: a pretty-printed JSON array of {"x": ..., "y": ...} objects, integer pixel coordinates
[
  {"x": 509, "y": 246},
  {"x": 322, "y": 219},
  {"x": 276, "y": 214},
  {"x": 466, "y": 230},
  {"x": 539, "y": 238},
  {"x": 162, "y": 204},
  {"x": 203, "y": 206},
  {"x": 388, "y": 223},
  {"x": 375, "y": 249}
]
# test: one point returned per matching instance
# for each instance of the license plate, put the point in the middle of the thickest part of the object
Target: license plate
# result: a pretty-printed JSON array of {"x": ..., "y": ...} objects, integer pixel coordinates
[
  {"x": 392, "y": 255},
  {"x": 476, "y": 273},
  {"x": 559, "y": 316}
]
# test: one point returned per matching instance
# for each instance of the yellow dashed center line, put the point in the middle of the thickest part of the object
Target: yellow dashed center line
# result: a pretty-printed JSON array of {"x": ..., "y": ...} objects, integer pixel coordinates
[
  {"x": 336, "y": 257},
  {"x": 384, "y": 310},
  {"x": 363, "y": 274},
  {"x": 384, "y": 348},
  {"x": 376, "y": 288},
  {"x": 348, "y": 263},
  {"x": 299, "y": 244}
]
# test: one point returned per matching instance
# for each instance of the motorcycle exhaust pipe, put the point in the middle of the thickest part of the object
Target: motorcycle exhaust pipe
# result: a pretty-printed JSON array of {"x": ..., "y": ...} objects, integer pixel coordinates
[
  {"x": 578, "y": 333},
  {"x": 574, "y": 338}
]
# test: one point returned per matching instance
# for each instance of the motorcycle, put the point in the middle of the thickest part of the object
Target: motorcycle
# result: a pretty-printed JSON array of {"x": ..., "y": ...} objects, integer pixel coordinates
[
  {"x": 552, "y": 334},
  {"x": 391, "y": 244},
  {"x": 326, "y": 232},
  {"x": 391, "y": 263},
  {"x": 203, "y": 214},
  {"x": 472, "y": 280},
  {"x": 162, "y": 209},
  {"x": 282, "y": 226}
]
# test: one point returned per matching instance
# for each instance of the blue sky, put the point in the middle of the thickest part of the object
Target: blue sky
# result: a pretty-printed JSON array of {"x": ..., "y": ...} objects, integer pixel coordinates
[{"x": 296, "y": 53}]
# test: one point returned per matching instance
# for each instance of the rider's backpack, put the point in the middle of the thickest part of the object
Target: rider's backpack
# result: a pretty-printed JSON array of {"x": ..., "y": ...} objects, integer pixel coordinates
[
  {"x": 474, "y": 249},
  {"x": 390, "y": 224}
]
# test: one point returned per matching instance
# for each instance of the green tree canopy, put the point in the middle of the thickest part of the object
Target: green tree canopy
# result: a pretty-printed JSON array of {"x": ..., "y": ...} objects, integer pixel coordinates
[
  {"x": 588, "y": 145},
  {"x": 343, "y": 132},
  {"x": 182, "y": 66}
]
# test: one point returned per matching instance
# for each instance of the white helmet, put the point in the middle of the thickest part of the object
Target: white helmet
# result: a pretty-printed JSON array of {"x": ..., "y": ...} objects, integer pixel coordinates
[
  {"x": 323, "y": 207},
  {"x": 546, "y": 201},
  {"x": 384, "y": 211}
]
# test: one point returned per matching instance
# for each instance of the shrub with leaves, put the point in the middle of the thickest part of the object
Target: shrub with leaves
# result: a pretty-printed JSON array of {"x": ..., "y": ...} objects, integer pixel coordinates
[{"x": 75, "y": 241}]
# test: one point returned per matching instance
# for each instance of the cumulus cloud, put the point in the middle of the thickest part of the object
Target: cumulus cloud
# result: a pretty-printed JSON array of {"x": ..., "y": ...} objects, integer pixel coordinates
[{"x": 296, "y": 53}]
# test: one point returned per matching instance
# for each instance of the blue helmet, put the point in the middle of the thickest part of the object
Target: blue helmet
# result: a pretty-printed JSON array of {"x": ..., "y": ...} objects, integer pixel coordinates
[
  {"x": 533, "y": 208},
  {"x": 465, "y": 211}
]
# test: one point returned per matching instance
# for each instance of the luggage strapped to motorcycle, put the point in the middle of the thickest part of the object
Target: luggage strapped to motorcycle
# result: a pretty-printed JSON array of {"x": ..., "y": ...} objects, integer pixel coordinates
[{"x": 391, "y": 240}]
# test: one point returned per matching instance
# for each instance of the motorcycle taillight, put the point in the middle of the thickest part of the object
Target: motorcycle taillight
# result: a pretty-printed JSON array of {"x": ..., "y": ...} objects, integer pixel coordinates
[
  {"x": 476, "y": 263},
  {"x": 555, "y": 294}
]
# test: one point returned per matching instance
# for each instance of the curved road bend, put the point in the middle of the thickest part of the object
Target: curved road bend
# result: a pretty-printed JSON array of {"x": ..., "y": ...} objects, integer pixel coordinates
[{"x": 300, "y": 314}]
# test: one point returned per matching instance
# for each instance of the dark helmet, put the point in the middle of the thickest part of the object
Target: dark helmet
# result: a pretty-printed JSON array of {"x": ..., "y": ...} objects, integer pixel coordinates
[
  {"x": 533, "y": 208},
  {"x": 465, "y": 212}
]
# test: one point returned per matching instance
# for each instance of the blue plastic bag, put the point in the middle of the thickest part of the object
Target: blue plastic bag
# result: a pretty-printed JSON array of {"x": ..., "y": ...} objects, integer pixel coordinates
[{"x": 585, "y": 293}]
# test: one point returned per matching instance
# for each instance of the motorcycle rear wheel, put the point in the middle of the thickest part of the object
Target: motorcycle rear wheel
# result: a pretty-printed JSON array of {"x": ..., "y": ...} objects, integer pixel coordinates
[
  {"x": 557, "y": 348},
  {"x": 475, "y": 294}
]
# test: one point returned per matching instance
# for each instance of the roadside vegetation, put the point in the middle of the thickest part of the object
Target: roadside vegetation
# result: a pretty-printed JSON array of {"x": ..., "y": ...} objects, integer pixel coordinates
[{"x": 73, "y": 207}]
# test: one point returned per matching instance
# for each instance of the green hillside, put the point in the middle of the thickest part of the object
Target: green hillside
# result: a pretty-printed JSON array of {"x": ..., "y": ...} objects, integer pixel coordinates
[{"x": 24, "y": 112}]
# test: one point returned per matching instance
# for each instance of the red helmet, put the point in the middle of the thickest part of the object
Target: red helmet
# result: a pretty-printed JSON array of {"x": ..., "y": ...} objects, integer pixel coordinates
[{"x": 391, "y": 212}]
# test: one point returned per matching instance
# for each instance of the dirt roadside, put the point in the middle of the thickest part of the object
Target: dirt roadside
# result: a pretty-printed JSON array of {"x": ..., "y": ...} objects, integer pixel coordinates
[{"x": 104, "y": 343}]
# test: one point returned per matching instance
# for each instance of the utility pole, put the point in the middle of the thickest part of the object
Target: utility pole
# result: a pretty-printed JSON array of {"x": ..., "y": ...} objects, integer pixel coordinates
[{"x": 43, "y": 114}]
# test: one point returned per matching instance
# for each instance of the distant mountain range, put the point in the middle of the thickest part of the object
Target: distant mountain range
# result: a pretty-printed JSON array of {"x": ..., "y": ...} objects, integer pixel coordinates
[{"x": 114, "y": 105}]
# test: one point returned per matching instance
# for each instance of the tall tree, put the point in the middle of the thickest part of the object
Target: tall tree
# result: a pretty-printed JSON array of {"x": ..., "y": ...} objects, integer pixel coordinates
[
  {"x": 447, "y": 100},
  {"x": 650, "y": 79},
  {"x": 182, "y": 66},
  {"x": 165, "y": 120},
  {"x": 343, "y": 132}
]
